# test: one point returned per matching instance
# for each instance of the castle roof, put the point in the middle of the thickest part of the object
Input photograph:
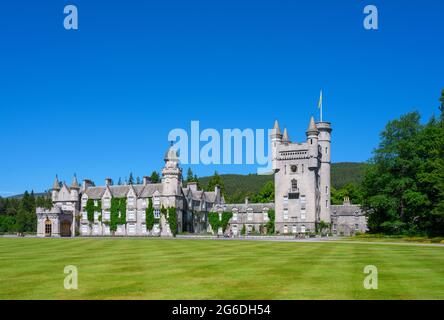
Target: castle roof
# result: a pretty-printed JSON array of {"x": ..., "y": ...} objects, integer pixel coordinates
[
  {"x": 276, "y": 127},
  {"x": 243, "y": 207},
  {"x": 75, "y": 183},
  {"x": 56, "y": 185},
  {"x": 312, "y": 126},
  {"x": 285, "y": 137},
  {"x": 142, "y": 191}
]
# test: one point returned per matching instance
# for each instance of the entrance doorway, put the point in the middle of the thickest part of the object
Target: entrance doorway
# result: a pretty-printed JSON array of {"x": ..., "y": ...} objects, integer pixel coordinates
[
  {"x": 48, "y": 228},
  {"x": 66, "y": 229}
]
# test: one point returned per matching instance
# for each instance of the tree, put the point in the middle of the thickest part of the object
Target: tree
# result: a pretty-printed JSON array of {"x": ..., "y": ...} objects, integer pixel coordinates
[
  {"x": 155, "y": 177},
  {"x": 441, "y": 107},
  {"x": 350, "y": 190},
  {"x": 266, "y": 194},
  {"x": 138, "y": 181},
  {"x": 403, "y": 186},
  {"x": 119, "y": 183},
  {"x": 131, "y": 178},
  {"x": 190, "y": 176},
  {"x": 216, "y": 180}
]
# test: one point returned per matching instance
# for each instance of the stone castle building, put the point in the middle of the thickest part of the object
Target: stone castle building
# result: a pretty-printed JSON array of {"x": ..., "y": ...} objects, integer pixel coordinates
[{"x": 302, "y": 198}]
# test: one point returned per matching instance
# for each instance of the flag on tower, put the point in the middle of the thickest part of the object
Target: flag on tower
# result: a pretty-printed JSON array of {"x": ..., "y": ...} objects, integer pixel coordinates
[{"x": 320, "y": 101}]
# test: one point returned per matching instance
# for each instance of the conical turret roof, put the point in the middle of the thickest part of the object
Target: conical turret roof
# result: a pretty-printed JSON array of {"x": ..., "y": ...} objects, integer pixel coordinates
[
  {"x": 312, "y": 126},
  {"x": 75, "y": 183},
  {"x": 56, "y": 185},
  {"x": 285, "y": 137},
  {"x": 276, "y": 127}
]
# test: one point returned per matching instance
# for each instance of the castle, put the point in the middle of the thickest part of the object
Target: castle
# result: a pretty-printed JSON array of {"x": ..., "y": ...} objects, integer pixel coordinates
[{"x": 302, "y": 198}]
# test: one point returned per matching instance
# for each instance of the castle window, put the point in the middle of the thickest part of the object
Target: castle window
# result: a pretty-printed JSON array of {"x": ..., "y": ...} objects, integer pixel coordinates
[
  {"x": 357, "y": 227},
  {"x": 234, "y": 216},
  {"x": 326, "y": 150},
  {"x": 157, "y": 213},
  {"x": 250, "y": 215},
  {"x": 130, "y": 201},
  {"x": 285, "y": 229},
  {"x": 294, "y": 229},
  {"x": 294, "y": 168},
  {"x": 326, "y": 203},
  {"x": 294, "y": 184},
  {"x": 265, "y": 216},
  {"x": 311, "y": 141},
  {"x": 302, "y": 229},
  {"x": 326, "y": 189},
  {"x": 106, "y": 202},
  {"x": 303, "y": 199},
  {"x": 285, "y": 199},
  {"x": 285, "y": 214},
  {"x": 302, "y": 168}
]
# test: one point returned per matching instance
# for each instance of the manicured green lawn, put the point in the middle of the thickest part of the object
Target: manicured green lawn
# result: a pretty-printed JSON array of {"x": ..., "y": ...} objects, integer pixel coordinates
[{"x": 208, "y": 269}]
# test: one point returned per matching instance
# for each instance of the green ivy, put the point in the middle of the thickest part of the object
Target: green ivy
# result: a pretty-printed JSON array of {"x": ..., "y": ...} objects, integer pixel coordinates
[
  {"x": 91, "y": 208},
  {"x": 270, "y": 223},
  {"x": 215, "y": 223},
  {"x": 117, "y": 212},
  {"x": 172, "y": 220},
  {"x": 149, "y": 216}
]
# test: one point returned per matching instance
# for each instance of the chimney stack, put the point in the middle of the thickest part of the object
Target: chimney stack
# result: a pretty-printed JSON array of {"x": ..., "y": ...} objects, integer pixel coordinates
[
  {"x": 192, "y": 185},
  {"x": 86, "y": 184},
  {"x": 247, "y": 200},
  {"x": 108, "y": 181},
  {"x": 146, "y": 180}
]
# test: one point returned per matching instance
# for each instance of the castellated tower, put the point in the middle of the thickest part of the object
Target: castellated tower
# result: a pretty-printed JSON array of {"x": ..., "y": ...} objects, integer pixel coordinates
[
  {"x": 171, "y": 174},
  {"x": 324, "y": 170},
  {"x": 302, "y": 179}
]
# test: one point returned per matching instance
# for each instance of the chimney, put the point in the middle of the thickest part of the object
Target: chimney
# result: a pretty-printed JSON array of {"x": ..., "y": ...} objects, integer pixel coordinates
[
  {"x": 146, "y": 180},
  {"x": 217, "y": 191},
  {"x": 247, "y": 200},
  {"x": 108, "y": 181},
  {"x": 86, "y": 184},
  {"x": 192, "y": 186},
  {"x": 346, "y": 201}
]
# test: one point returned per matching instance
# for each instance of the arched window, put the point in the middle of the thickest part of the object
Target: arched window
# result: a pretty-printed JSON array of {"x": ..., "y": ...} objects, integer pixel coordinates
[{"x": 48, "y": 228}]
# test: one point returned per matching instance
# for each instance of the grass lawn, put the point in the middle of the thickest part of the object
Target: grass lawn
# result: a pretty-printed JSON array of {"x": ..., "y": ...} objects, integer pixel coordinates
[{"x": 32, "y": 268}]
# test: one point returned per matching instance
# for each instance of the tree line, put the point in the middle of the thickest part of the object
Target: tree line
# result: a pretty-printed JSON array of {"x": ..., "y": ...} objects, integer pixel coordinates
[{"x": 18, "y": 214}]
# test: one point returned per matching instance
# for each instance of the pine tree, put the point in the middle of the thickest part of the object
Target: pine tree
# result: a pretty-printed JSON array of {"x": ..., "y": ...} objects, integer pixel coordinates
[
  {"x": 155, "y": 177},
  {"x": 131, "y": 178}
]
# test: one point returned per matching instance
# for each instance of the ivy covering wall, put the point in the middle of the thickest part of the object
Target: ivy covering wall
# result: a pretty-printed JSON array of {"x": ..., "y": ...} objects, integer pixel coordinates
[
  {"x": 172, "y": 220},
  {"x": 117, "y": 213},
  {"x": 149, "y": 216},
  {"x": 215, "y": 223},
  {"x": 270, "y": 223},
  {"x": 91, "y": 208}
]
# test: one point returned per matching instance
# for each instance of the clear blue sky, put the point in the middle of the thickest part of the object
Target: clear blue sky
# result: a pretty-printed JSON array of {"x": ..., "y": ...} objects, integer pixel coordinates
[{"x": 101, "y": 100}]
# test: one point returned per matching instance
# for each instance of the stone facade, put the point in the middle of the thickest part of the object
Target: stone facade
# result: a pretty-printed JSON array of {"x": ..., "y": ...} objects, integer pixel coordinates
[
  {"x": 192, "y": 206},
  {"x": 302, "y": 198}
]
